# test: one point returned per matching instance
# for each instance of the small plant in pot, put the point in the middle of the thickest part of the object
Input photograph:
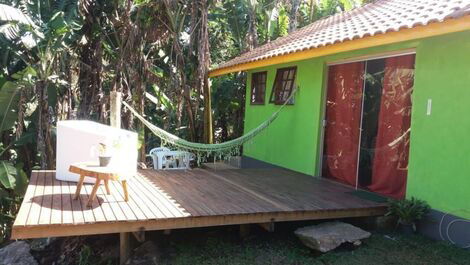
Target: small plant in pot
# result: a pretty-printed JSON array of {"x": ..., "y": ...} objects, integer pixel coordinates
[
  {"x": 408, "y": 212},
  {"x": 104, "y": 155}
]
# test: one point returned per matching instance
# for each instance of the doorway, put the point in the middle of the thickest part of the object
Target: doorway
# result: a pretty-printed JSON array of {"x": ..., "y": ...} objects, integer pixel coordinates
[{"x": 367, "y": 128}]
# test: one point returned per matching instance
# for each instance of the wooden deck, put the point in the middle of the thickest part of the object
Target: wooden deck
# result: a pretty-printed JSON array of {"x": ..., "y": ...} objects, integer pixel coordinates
[{"x": 180, "y": 199}]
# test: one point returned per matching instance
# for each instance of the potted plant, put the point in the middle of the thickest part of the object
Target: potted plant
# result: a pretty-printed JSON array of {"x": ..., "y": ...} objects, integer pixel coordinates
[
  {"x": 408, "y": 212},
  {"x": 104, "y": 155}
]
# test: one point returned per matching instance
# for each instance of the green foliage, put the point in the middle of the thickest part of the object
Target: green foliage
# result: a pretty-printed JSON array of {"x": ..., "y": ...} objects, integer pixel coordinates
[
  {"x": 408, "y": 211},
  {"x": 9, "y": 96},
  {"x": 282, "y": 24},
  {"x": 85, "y": 256},
  {"x": 7, "y": 175},
  {"x": 13, "y": 182},
  {"x": 133, "y": 46}
]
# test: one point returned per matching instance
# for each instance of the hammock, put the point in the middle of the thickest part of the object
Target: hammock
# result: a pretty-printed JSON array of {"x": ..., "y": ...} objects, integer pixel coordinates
[{"x": 225, "y": 149}]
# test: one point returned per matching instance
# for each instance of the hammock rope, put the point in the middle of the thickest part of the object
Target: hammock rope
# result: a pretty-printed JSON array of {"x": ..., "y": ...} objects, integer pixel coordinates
[{"x": 225, "y": 149}]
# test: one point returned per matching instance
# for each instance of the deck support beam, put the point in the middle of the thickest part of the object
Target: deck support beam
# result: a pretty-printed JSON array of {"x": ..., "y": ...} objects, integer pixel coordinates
[
  {"x": 139, "y": 236},
  {"x": 124, "y": 247},
  {"x": 269, "y": 226}
]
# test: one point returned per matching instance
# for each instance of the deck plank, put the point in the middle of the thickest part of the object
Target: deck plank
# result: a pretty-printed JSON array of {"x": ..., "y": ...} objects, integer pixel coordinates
[
  {"x": 96, "y": 208},
  {"x": 226, "y": 198},
  {"x": 46, "y": 206},
  {"x": 23, "y": 213},
  {"x": 78, "y": 217},
  {"x": 306, "y": 192},
  {"x": 136, "y": 188},
  {"x": 118, "y": 202},
  {"x": 182, "y": 199},
  {"x": 119, "y": 192},
  {"x": 142, "y": 203},
  {"x": 56, "y": 210},
  {"x": 170, "y": 207},
  {"x": 112, "y": 205},
  {"x": 67, "y": 213},
  {"x": 106, "y": 207},
  {"x": 35, "y": 211},
  {"x": 88, "y": 215}
]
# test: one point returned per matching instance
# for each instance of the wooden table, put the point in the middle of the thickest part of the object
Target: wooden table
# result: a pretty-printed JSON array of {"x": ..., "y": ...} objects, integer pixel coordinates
[{"x": 100, "y": 174}]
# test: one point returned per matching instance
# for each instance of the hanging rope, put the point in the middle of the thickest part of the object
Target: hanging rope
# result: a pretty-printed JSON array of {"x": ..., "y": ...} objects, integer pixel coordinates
[{"x": 224, "y": 149}]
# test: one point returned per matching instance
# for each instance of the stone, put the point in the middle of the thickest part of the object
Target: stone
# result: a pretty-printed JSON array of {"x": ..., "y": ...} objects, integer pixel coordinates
[
  {"x": 330, "y": 235},
  {"x": 40, "y": 244},
  {"x": 17, "y": 253}
]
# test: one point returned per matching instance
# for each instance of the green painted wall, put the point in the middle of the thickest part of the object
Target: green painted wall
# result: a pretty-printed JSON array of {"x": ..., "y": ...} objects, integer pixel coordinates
[{"x": 439, "y": 169}]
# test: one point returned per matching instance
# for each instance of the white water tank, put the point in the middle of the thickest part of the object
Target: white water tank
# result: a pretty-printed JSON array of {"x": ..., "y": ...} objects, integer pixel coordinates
[{"x": 78, "y": 141}]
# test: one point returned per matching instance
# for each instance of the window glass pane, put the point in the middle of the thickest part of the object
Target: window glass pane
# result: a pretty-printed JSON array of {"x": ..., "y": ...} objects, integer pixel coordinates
[
  {"x": 291, "y": 74},
  {"x": 285, "y": 74},
  {"x": 288, "y": 85},
  {"x": 283, "y": 85},
  {"x": 258, "y": 87}
]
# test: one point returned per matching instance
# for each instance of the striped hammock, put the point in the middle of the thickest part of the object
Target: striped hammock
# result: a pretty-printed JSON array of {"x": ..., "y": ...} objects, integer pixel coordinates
[{"x": 220, "y": 150}]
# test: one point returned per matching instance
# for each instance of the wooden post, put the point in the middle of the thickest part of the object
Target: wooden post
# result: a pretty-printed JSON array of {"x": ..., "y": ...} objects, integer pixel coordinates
[
  {"x": 124, "y": 247},
  {"x": 115, "y": 121},
  {"x": 115, "y": 99},
  {"x": 244, "y": 231}
]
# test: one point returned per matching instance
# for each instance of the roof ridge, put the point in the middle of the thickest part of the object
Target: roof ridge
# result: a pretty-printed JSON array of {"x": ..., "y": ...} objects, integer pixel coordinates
[{"x": 374, "y": 18}]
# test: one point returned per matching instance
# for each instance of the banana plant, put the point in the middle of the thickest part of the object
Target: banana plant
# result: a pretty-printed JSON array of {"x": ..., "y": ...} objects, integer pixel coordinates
[
  {"x": 33, "y": 34},
  {"x": 36, "y": 34}
]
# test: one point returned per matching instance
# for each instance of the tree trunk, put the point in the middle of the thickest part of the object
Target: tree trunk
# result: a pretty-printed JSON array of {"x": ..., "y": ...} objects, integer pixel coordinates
[
  {"x": 203, "y": 70},
  {"x": 44, "y": 141},
  {"x": 89, "y": 80},
  {"x": 295, "y": 5},
  {"x": 252, "y": 36}
]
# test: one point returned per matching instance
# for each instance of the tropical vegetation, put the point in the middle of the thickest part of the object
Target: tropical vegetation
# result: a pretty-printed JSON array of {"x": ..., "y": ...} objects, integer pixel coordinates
[{"x": 59, "y": 59}]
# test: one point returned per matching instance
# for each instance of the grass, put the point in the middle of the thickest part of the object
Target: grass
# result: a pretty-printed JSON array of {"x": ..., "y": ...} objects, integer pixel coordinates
[
  {"x": 282, "y": 247},
  {"x": 222, "y": 245}
]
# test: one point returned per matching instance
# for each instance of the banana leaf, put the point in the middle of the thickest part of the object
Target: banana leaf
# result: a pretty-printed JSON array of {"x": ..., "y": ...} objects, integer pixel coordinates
[
  {"x": 9, "y": 97},
  {"x": 8, "y": 174}
]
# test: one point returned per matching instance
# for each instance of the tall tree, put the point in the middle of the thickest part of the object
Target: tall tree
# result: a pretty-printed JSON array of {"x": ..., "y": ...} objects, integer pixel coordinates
[
  {"x": 252, "y": 36},
  {"x": 203, "y": 69},
  {"x": 293, "y": 15}
]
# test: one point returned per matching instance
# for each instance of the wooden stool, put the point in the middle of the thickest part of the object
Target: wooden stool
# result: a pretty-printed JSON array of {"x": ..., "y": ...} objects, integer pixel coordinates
[{"x": 100, "y": 174}]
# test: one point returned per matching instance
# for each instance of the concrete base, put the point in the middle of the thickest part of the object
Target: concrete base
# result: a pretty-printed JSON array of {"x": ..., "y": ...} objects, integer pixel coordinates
[
  {"x": 452, "y": 228},
  {"x": 440, "y": 226},
  {"x": 248, "y": 162}
]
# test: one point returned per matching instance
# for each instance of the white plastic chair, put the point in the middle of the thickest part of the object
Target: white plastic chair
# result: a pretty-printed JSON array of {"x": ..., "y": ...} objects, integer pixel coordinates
[
  {"x": 165, "y": 159},
  {"x": 153, "y": 154},
  {"x": 174, "y": 160}
]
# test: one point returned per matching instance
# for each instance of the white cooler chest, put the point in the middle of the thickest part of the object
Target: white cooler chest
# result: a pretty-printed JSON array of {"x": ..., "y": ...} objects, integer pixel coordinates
[{"x": 78, "y": 141}]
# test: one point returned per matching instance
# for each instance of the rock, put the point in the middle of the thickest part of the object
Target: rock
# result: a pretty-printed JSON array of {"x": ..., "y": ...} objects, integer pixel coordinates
[
  {"x": 147, "y": 253},
  {"x": 40, "y": 244},
  {"x": 327, "y": 236},
  {"x": 17, "y": 253}
]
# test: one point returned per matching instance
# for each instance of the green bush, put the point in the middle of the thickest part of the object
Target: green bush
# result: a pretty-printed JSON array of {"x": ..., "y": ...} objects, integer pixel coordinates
[
  {"x": 408, "y": 211},
  {"x": 13, "y": 182}
]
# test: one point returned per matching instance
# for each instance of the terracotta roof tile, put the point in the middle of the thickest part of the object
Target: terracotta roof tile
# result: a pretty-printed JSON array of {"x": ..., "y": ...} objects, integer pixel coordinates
[{"x": 369, "y": 20}]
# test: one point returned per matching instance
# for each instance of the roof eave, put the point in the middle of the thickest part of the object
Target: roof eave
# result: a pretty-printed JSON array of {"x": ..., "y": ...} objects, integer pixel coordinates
[{"x": 418, "y": 32}]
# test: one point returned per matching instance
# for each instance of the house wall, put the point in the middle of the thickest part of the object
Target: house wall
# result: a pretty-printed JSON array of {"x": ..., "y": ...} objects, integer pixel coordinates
[{"x": 439, "y": 168}]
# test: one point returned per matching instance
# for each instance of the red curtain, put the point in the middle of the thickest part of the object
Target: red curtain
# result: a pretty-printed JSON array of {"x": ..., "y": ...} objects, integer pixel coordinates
[
  {"x": 390, "y": 164},
  {"x": 343, "y": 116}
]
